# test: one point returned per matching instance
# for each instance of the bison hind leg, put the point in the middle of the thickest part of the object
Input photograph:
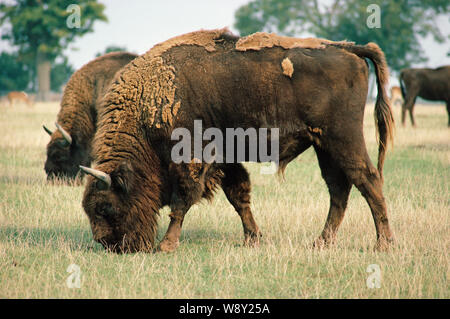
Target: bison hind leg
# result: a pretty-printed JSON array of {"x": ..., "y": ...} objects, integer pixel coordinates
[{"x": 355, "y": 163}]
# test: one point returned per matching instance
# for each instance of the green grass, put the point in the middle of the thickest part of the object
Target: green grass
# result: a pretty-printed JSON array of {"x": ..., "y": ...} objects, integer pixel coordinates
[{"x": 44, "y": 229}]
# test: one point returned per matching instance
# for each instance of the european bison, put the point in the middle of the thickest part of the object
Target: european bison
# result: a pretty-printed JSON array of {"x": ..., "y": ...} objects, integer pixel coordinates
[
  {"x": 70, "y": 144},
  {"x": 429, "y": 84},
  {"x": 16, "y": 96},
  {"x": 313, "y": 90}
]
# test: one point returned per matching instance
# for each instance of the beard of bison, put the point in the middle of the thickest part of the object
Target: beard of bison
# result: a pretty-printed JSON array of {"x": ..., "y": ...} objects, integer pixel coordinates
[{"x": 123, "y": 216}]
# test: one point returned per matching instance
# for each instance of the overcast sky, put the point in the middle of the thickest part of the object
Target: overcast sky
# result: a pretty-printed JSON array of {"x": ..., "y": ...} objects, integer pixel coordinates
[{"x": 139, "y": 24}]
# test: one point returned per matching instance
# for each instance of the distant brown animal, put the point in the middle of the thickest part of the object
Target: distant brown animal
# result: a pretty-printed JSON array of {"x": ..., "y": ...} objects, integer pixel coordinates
[
  {"x": 16, "y": 96},
  {"x": 396, "y": 96},
  {"x": 313, "y": 90},
  {"x": 70, "y": 144},
  {"x": 429, "y": 84}
]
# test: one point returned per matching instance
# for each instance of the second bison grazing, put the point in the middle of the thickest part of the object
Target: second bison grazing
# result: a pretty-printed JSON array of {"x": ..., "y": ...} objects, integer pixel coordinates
[
  {"x": 429, "y": 84},
  {"x": 70, "y": 144},
  {"x": 313, "y": 90}
]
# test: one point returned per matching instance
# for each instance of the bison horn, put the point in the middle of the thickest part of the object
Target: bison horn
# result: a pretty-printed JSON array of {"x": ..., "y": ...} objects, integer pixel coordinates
[
  {"x": 102, "y": 176},
  {"x": 64, "y": 133},
  {"x": 47, "y": 130}
]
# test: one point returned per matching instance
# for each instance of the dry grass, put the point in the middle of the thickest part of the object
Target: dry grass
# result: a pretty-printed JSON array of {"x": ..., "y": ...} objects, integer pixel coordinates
[{"x": 44, "y": 230}]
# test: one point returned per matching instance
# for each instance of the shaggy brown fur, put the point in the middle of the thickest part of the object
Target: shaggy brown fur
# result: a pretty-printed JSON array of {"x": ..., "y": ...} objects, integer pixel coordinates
[
  {"x": 321, "y": 105},
  {"x": 429, "y": 84},
  {"x": 78, "y": 114}
]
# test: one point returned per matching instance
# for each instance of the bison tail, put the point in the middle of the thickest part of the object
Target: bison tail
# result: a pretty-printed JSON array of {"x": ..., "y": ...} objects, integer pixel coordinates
[{"x": 384, "y": 120}]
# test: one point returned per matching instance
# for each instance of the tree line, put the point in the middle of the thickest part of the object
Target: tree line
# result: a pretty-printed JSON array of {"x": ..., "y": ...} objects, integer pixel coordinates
[{"x": 40, "y": 30}]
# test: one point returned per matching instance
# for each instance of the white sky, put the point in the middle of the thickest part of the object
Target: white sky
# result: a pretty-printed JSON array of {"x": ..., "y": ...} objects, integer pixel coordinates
[{"x": 140, "y": 24}]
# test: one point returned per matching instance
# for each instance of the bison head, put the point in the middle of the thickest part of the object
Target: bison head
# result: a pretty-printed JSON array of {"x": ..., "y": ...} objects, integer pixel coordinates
[
  {"x": 64, "y": 155},
  {"x": 122, "y": 211}
]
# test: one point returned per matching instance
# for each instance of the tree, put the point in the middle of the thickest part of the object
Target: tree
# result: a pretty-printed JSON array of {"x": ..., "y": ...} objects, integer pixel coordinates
[
  {"x": 402, "y": 23},
  {"x": 60, "y": 74},
  {"x": 111, "y": 48},
  {"x": 42, "y": 29},
  {"x": 14, "y": 74}
]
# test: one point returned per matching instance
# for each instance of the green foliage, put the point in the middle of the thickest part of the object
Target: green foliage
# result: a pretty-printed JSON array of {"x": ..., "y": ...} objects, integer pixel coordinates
[
  {"x": 403, "y": 22},
  {"x": 111, "y": 48},
  {"x": 42, "y": 29},
  {"x": 41, "y": 25},
  {"x": 60, "y": 74},
  {"x": 14, "y": 74}
]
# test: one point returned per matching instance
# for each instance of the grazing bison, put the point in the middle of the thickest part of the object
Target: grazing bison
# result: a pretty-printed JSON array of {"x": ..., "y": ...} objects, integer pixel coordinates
[
  {"x": 313, "y": 90},
  {"x": 429, "y": 84},
  {"x": 70, "y": 144},
  {"x": 16, "y": 96}
]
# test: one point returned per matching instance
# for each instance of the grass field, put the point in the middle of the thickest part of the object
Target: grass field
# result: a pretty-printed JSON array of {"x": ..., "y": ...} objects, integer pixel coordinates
[{"x": 44, "y": 229}]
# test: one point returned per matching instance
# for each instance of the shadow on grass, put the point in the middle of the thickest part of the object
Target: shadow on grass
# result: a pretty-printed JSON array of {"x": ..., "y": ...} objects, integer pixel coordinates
[
  {"x": 74, "y": 238},
  {"x": 78, "y": 239}
]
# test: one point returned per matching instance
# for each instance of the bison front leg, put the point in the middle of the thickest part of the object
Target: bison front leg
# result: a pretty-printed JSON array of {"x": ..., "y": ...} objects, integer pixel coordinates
[
  {"x": 339, "y": 189},
  {"x": 171, "y": 239},
  {"x": 236, "y": 186},
  {"x": 187, "y": 181}
]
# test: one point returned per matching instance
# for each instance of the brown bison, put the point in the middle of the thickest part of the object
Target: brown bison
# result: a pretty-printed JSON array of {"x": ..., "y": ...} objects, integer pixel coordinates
[
  {"x": 16, "y": 96},
  {"x": 429, "y": 84},
  {"x": 313, "y": 90},
  {"x": 70, "y": 144}
]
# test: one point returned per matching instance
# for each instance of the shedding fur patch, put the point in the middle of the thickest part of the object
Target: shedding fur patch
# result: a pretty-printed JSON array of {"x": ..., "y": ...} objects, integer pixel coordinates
[
  {"x": 288, "y": 67},
  {"x": 260, "y": 40},
  {"x": 158, "y": 98},
  {"x": 204, "y": 38}
]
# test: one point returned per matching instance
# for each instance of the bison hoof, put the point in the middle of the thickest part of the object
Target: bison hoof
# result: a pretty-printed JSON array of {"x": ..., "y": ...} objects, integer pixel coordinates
[
  {"x": 168, "y": 246},
  {"x": 384, "y": 244},
  {"x": 322, "y": 243},
  {"x": 252, "y": 240}
]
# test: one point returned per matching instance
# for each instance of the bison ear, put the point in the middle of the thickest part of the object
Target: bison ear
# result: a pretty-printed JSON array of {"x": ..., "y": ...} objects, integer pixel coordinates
[{"x": 123, "y": 177}]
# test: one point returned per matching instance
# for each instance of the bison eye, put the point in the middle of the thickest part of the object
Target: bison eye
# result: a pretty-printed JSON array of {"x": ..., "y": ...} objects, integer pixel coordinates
[
  {"x": 106, "y": 211},
  {"x": 101, "y": 185},
  {"x": 63, "y": 143}
]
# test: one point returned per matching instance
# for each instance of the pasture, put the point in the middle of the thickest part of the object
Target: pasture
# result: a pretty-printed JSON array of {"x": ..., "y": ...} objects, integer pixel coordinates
[{"x": 43, "y": 228}]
